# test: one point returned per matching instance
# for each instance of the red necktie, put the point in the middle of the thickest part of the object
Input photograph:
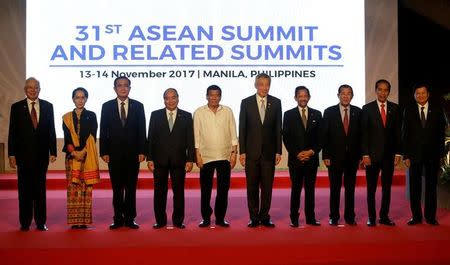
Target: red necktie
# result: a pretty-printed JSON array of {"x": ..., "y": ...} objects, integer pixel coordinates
[
  {"x": 346, "y": 121},
  {"x": 34, "y": 115},
  {"x": 383, "y": 115}
]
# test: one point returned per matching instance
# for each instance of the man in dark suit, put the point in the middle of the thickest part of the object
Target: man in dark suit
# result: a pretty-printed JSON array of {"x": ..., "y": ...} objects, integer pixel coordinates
[
  {"x": 423, "y": 147},
  {"x": 301, "y": 135},
  {"x": 122, "y": 146},
  {"x": 341, "y": 139},
  {"x": 31, "y": 145},
  {"x": 170, "y": 152},
  {"x": 260, "y": 148},
  {"x": 380, "y": 125}
]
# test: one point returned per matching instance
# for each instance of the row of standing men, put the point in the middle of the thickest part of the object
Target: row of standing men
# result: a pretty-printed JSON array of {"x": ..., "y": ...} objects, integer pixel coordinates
[{"x": 376, "y": 136}]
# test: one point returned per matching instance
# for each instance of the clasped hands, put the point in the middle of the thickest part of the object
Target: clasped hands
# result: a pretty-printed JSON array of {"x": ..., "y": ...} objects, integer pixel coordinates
[{"x": 304, "y": 156}]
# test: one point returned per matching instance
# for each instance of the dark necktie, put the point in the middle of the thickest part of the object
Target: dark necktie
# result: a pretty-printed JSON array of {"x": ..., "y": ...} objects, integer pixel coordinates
[
  {"x": 123, "y": 115},
  {"x": 383, "y": 115},
  {"x": 346, "y": 121},
  {"x": 422, "y": 117},
  {"x": 34, "y": 115}
]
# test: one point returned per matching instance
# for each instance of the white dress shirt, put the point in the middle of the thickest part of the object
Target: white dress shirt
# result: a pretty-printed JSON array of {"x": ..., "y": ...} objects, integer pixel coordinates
[{"x": 215, "y": 133}]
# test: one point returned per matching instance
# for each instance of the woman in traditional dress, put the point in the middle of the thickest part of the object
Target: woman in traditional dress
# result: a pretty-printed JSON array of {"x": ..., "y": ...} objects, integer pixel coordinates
[{"x": 80, "y": 129}]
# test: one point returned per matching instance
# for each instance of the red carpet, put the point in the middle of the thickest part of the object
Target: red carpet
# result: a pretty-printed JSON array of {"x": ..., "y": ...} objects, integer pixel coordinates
[
  {"x": 56, "y": 180},
  {"x": 422, "y": 244}
]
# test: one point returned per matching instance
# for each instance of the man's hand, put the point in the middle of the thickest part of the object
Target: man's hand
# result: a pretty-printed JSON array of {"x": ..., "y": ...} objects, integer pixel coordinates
[
  {"x": 277, "y": 159},
  {"x": 141, "y": 158},
  {"x": 105, "y": 158},
  {"x": 188, "y": 166},
  {"x": 242, "y": 160},
  {"x": 407, "y": 162},
  {"x": 366, "y": 161},
  {"x": 305, "y": 155},
  {"x": 233, "y": 158},
  {"x": 12, "y": 161},
  {"x": 327, "y": 162},
  {"x": 52, "y": 159},
  {"x": 199, "y": 160},
  {"x": 151, "y": 166}
]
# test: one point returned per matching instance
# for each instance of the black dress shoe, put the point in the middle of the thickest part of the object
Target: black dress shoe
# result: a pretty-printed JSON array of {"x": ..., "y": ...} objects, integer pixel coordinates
[
  {"x": 42, "y": 227},
  {"x": 180, "y": 226},
  {"x": 83, "y": 226},
  {"x": 294, "y": 223},
  {"x": 432, "y": 222},
  {"x": 253, "y": 224},
  {"x": 313, "y": 223},
  {"x": 386, "y": 221},
  {"x": 75, "y": 226},
  {"x": 351, "y": 222},
  {"x": 414, "y": 221},
  {"x": 223, "y": 223},
  {"x": 115, "y": 226},
  {"x": 204, "y": 223},
  {"x": 24, "y": 228},
  {"x": 132, "y": 225},
  {"x": 333, "y": 222},
  {"x": 268, "y": 223},
  {"x": 158, "y": 226},
  {"x": 371, "y": 222}
]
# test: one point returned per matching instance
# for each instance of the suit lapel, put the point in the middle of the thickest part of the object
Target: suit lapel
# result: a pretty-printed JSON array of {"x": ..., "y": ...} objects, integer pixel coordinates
[
  {"x": 177, "y": 120},
  {"x": 340, "y": 119},
  {"x": 311, "y": 118},
  {"x": 416, "y": 114},
  {"x": 26, "y": 113},
  {"x": 377, "y": 112},
  {"x": 253, "y": 101},
  {"x": 268, "y": 107},
  {"x": 352, "y": 119},
  {"x": 298, "y": 118},
  {"x": 388, "y": 114},
  {"x": 429, "y": 115},
  {"x": 42, "y": 110},
  {"x": 165, "y": 121},
  {"x": 130, "y": 111}
]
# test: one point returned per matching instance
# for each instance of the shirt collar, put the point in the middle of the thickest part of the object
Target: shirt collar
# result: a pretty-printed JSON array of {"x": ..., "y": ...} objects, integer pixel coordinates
[
  {"x": 36, "y": 101},
  {"x": 125, "y": 101},
  {"x": 425, "y": 105},
  {"x": 379, "y": 104},
  {"x": 259, "y": 98},
  {"x": 342, "y": 108},
  {"x": 218, "y": 108},
  {"x": 173, "y": 111}
]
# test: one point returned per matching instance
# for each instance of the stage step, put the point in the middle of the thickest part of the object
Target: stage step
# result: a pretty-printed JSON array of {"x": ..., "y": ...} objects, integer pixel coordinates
[{"x": 56, "y": 180}]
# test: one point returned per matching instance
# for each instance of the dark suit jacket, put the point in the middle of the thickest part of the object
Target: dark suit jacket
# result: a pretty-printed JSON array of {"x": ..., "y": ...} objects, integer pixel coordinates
[
  {"x": 256, "y": 139},
  {"x": 423, "y": 144},
  {"x": 166, "y": 148},
  {"x": 117, "y": 140},
  {"x": 335, "y": 143},
  {"x": 297, "y": 139},
  {"x": 31, "y": 147},
  {"x": 379, "y": 142}
]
